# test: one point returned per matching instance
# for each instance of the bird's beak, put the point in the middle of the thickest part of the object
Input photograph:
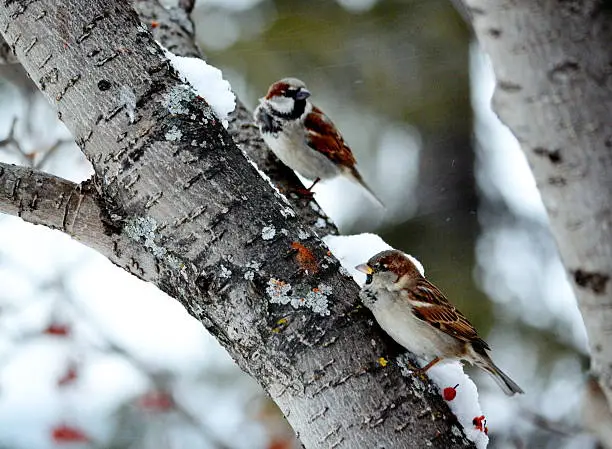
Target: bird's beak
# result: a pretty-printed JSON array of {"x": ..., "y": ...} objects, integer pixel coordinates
[
  {"x": 364, "y": 268},
  {"x": 302, "y": 94}
]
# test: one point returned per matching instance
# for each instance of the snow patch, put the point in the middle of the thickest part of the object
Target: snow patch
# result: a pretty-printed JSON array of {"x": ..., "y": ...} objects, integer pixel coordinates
[
  {"x": 207, "y": 81},
  {"x": 465, "y": 405},
  {"x": 320, "y": 223}
]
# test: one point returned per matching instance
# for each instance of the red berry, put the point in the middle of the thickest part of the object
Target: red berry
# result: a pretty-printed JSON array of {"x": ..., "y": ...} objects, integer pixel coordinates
[
  {"x": 156, "y": 401},
  {"x": 67, "y": 434},
  {"x": 59, "y": 330},
  {"x": 68, "y": 377},
  {"x": 480, "y": 422},
  {"x": 449, "y": 393}
]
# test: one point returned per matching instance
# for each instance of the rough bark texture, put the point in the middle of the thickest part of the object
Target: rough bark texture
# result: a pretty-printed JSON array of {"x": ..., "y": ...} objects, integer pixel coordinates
[
  {"x": 219, "y": 239},
  {"x": 553, "y": 64}
]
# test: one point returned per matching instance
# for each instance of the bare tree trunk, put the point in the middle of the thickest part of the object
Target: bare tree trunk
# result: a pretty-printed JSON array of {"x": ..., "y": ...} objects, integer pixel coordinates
[
  {"x": 553, "y": 64},
  {"x": 209, "y": 230}
]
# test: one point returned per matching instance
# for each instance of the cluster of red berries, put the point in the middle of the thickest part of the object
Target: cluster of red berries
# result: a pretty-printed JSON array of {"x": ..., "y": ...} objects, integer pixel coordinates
[{"x": 479, "y": 422}]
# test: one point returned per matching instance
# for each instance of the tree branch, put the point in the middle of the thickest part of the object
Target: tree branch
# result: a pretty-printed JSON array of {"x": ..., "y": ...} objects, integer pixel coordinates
[
  {"x": 173, "y": 181},
  {"x": 553, "y": 66},
  {"x": 44, "y": 199}
]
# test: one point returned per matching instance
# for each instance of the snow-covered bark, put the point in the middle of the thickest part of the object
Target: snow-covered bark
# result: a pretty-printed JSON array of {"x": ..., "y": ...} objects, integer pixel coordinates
[
  {"x": 211, "y": 232},
  {"x": 553, "y": 64}
]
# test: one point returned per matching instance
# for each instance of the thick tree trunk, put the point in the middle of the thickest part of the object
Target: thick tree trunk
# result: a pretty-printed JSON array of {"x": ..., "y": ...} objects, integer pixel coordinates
[
  {"x": 212, "y": 233},
  {"x": 553, "y": 64}
]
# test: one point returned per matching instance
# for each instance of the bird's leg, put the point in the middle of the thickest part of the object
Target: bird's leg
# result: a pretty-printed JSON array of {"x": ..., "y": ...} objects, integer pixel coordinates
[
  {"x": 307, "y": 193},
  {"x": 313, "y": 184},
  {"x": 424, "y": 369}
]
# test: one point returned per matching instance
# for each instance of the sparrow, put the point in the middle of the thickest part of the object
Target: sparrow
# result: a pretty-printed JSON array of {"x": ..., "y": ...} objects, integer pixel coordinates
[
  {"x": 417, "y": 315},
  {"x": 302, "y": 136}
]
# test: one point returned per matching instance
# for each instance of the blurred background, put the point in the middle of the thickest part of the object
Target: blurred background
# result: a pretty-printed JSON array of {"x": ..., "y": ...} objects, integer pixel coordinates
[{"x": 90, "y": 357}]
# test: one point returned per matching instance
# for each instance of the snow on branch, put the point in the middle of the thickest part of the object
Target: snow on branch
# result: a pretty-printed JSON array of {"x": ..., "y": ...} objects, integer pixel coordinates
[{"x": 207, "y": 81}]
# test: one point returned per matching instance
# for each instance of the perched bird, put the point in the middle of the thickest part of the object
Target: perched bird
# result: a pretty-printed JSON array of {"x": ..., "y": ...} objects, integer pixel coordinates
[
  {"x": 302, "y": 136},
  {"x": 419, "y": 317}
]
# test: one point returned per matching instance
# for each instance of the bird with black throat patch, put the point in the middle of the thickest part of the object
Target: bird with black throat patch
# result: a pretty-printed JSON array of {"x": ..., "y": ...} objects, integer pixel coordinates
[
  {"x": 417, "y": 315},
  {"x": 303, "y": 137}
]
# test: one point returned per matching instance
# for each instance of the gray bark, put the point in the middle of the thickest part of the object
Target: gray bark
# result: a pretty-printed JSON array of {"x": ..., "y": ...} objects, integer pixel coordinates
[
  {"x": 553, "y": 64},
  {"x": 196, "y": 210}
]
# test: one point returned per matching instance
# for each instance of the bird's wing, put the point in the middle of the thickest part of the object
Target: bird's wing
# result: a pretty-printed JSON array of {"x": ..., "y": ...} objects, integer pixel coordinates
[
  {"x": 322, "y": 136},
  {"x": 430, "y": 305}
]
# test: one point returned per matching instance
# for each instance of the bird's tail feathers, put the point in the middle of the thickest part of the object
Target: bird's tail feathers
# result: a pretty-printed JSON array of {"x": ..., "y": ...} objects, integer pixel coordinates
[
  {"x": 509, "y": 386},
  {"x": 354, "y": 175}
]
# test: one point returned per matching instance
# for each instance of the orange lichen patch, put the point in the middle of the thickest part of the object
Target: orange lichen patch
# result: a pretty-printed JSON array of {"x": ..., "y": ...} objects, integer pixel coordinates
[{"x": 305, "y": 258}]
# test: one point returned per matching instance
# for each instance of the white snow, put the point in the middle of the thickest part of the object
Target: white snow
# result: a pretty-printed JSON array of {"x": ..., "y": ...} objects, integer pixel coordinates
[
  {"x": 465, "y": 405},
  {"x": 353, "y": 250},
  {"x": 207, "y": 81}
]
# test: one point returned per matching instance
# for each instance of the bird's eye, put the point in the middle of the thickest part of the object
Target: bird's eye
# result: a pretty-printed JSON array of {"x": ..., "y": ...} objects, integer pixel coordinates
[{"x": 290, "y": 93}]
